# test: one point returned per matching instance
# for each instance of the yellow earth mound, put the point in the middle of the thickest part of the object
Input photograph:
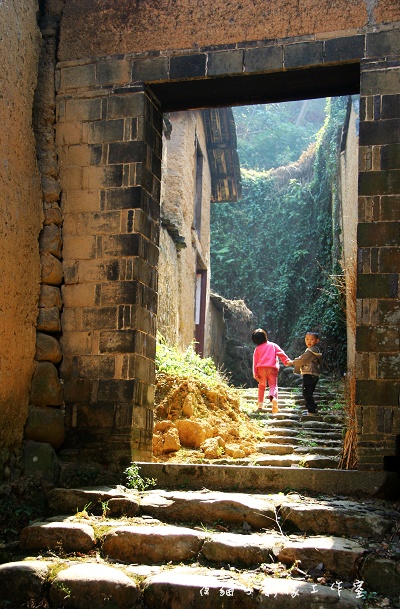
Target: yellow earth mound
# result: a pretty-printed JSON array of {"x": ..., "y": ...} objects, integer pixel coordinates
[{"x": 195, "y": 422}]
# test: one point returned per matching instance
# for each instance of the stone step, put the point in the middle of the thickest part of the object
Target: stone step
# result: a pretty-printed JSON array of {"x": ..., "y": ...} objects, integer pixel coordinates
[
  {"x": 277, "y": 439},
  {"x": 272, "y": 547},
  {"x": 283, "y": 432},
  {"x": 320, "y": 450},
  {"x": 158, "y": 543},
  {"x": 320, "y": 426},
  {"x": 286, "y": 415},
  {"x": 281, "y": 422},
  {"x": 330, "y": 516},
  {"x": 293, "y": 460},
  {"x": 271, "y": 593},
  {"x": 294, "y": 439},
  {"x": 178, "y": 587},
  {"x": 242, "y": 476},
  {"x": 316, "y": 440},
  {"x": 321, "y": 436},
  {"x": 275, "y": 449},
  {"x": 320, "y": 398}
]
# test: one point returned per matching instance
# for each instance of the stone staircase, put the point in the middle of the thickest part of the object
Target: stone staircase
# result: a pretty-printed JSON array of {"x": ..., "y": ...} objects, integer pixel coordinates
[
  {"x": 296, "y": 439},
  {"x": 116, "y": 548}
]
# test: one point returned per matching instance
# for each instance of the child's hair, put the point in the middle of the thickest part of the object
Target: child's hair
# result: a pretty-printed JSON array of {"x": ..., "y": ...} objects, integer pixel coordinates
[
  {"x": 259, "y": 336},
  {"x": 316, "y": 334}
]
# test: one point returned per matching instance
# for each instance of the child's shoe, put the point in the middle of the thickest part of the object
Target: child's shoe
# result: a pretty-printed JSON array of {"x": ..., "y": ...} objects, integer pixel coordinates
[
  {"x": 275, "y": 407},
  {"x": 260, "y": 406}
]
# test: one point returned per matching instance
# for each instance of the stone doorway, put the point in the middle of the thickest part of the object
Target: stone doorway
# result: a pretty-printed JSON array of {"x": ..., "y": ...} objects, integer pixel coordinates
[{"x": 111, "y": 117}]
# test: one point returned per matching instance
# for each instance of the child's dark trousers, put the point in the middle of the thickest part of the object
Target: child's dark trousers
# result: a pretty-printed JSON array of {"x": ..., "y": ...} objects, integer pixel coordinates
[{"x": 309, "y": 383}]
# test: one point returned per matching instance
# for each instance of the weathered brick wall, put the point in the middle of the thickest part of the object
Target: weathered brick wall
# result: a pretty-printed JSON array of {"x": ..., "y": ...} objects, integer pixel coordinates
[
  {"x": 110, "y": 153},
  {"x": 378, "y": 384},
  {"x": 21, "y": 220}
]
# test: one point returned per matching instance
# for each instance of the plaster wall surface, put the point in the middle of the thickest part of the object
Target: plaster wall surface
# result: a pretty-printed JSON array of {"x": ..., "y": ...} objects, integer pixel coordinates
[
  {"x": 135, "y": 27},
  {"x": 168, "y": 302},
  {"x": 177, "y": 271},
  {"x": 21, "y": 214},
  {"x": 349, "y": 193}
]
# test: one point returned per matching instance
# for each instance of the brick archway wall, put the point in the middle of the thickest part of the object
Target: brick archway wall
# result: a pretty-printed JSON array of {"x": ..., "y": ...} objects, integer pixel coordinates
[{"x": 109, "y": 142}]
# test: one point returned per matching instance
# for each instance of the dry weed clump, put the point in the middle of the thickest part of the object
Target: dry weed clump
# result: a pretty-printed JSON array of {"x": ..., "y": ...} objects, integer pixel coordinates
[
  {"x": 349, "y": 455},
  {"x": 348, "y": 288}
]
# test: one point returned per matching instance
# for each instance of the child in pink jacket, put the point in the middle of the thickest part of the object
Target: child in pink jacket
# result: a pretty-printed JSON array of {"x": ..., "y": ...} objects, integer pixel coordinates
[{"x": 266, "y": 367}]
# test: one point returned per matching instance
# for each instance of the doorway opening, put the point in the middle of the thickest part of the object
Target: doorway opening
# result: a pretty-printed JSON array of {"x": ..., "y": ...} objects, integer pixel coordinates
[{"x": 284, "y": 209}]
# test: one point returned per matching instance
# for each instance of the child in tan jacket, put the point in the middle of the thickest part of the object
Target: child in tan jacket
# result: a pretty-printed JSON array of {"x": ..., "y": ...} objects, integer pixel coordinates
[{"x": 309, "y": 366}]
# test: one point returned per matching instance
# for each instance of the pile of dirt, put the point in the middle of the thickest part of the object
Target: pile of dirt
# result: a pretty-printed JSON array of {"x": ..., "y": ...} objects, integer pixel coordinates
[{"x": 195, "y": 422}]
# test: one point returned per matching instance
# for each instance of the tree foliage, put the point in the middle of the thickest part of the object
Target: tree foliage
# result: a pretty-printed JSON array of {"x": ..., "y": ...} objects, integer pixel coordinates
[
  {"x": 278, "y": 247},
  {"x": 271, "y": 135}
]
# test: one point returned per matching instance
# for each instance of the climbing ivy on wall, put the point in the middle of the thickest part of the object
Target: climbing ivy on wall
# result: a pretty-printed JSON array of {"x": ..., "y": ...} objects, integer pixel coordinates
[{"x": 278, "y": 248}]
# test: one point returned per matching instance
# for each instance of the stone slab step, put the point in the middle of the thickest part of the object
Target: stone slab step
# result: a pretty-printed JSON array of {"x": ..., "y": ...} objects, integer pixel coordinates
[
  {"x": 293, "y": 460},
  {"x": 339, "y": 556},
  {"x": 285, "y": 414},
  {"x": 337, "y": 517},
  {"x": 282, "y": 431},
  {"x": 320, "y": 426},
  {"x": 149, "y": 544},
  {"x": 330, "y": 516},
  {"x": 179, "y": 587},
  {"x": 281, "y": 422},
  {"x": 280, "y": 439},
  {"x": 153, "y": 544},
  {"x": 258, "y": 511},
  {"x": 316, "y": 440},
  {"x": 319, "y": 440},
  {"x": 320, "y": 450},
  {"x": 68, "y": 536},
  {"x": 275, "y": 449},
  {"x": 310, "y": 434},
  {"x": 117, "y": 499},
  {"x": 244, "y": 476}
]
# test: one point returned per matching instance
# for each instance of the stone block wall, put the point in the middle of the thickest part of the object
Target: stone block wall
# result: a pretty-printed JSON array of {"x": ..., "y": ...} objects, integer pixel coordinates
[
  {"x": 378, "y": 309},
  {"x": 109, "y": 143}
]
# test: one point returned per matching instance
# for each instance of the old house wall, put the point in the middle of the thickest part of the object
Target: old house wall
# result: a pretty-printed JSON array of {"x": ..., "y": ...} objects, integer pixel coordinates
[
  {"x": 168, "y": 281},
  {"x": 178, "y": 265},
  {"x": 21, "y": 219},
  {"x": 216, "y": 333}
]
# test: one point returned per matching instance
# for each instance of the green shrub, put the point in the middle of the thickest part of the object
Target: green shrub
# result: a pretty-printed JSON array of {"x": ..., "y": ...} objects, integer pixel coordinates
[
  {"x": 187, "y": 364},
  {"x": 135, "y": 480}
]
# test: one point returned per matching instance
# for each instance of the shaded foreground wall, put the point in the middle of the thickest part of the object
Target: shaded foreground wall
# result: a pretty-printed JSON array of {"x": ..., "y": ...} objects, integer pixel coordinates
[{"x": 21, "y": 220}]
